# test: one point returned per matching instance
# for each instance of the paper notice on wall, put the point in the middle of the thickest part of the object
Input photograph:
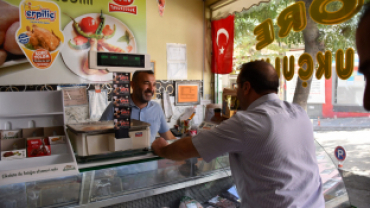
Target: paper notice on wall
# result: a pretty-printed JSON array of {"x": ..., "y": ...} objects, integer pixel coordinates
[
  {"x": 176, "y": 61},
  {"x": 75, "y": 96},
  {"x": 176, "y": 52},
  {"x": 177, "y": 71}
]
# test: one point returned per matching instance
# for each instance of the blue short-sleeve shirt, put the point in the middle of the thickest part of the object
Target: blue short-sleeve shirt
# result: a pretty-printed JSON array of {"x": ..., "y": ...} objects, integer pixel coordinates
[{"x": 152, "y": 114}]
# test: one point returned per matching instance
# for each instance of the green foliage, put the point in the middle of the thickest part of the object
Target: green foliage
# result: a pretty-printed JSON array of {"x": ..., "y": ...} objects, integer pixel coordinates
[{"x": 245, "y": 40}]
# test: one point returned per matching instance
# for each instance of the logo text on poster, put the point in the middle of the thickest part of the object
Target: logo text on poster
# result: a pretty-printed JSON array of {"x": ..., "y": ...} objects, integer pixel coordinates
[
  {"x": 122, "y": 6},
  {"x": 41, "y": 14}
]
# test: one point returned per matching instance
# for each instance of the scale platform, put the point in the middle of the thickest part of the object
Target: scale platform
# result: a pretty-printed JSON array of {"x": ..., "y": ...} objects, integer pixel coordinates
[{"x": 95, "y": 144}]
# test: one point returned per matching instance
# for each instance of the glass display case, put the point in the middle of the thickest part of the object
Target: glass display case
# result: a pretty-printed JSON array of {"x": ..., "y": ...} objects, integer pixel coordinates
[{"x": 163, "y": 182}]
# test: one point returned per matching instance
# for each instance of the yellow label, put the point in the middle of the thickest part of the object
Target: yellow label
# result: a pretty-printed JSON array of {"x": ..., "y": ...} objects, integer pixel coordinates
[{"x": 39, "y": 35}]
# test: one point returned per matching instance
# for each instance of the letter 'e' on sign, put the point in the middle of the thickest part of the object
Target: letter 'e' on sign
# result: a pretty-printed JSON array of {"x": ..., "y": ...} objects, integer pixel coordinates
[{"x": 264, "y": 33}]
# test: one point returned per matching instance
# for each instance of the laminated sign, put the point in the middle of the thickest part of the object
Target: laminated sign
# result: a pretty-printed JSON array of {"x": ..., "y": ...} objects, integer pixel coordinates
[{"x": 39, "y": 35}]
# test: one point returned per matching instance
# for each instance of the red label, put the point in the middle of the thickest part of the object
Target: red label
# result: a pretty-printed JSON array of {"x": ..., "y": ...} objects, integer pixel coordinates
[
  {"x": 35, "y": 148},
  {"x": 34, "y": 142},
  {"x": 124, "y": 2},
  {"x": 41, "y": 58},
  {"x": 118, "y": 8},
  {"x": 139, "y": 134}
]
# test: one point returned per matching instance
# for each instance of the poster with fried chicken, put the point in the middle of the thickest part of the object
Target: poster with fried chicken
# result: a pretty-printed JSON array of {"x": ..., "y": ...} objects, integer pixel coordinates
[
  {"x": 39, "y": 35},
  {"x": 29, "y": 51}
]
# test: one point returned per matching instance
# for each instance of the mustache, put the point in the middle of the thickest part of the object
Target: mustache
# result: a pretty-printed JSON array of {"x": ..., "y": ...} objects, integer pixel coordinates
[{"x": 149, "y": 91}]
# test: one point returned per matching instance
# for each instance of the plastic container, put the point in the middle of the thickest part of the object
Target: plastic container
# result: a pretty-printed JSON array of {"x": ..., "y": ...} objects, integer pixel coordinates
[{"x": 193, "y": 130}]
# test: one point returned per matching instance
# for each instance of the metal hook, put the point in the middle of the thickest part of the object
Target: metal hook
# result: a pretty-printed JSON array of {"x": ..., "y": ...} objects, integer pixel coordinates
[
  {"x": 110, "y": 89},
  {"x": 11, "y": 88}
]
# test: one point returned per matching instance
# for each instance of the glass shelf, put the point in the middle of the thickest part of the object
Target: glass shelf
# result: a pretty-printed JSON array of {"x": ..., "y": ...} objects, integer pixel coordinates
[
  {"x": 138, "y": 180},
  {"x": 30, "y": 115}
]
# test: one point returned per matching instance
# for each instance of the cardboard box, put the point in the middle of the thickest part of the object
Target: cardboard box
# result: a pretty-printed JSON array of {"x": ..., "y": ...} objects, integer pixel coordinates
[
  {"x": 7, "y": 134},
  {"x": 54, "y": 131},
  {"x": 35, "y": 147},
  {"x": 57, "y": 140},
  {"x": 33, "y": 132},
  {"x": 13, "y": 148}
]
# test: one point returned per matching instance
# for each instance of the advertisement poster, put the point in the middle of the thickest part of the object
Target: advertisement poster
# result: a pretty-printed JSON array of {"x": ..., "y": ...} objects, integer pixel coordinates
[
  {"x": 107, "y": 25},
  {"x": 39, "y": 35}
]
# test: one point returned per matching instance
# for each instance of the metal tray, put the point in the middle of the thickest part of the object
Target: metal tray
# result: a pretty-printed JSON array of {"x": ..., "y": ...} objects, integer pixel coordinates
[{"x": 104, "y": 126}]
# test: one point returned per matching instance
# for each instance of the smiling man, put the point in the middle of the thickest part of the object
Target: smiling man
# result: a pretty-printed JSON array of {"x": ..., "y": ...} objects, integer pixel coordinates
[{"x": 143, "y": 108}]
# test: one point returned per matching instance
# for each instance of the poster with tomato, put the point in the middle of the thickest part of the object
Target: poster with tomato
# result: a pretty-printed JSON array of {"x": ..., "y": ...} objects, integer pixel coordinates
[
  {"x": 110, "y": 25},
  {"x": 99, "y": 32}
]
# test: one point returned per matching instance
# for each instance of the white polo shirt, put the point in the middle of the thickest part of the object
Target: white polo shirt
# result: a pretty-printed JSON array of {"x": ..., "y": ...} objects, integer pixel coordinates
[{"x": 272, "y": 154}]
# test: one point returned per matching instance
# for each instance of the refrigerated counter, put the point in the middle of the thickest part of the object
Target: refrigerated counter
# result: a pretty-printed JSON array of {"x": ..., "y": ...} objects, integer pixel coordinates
[{"x": 156, "y": 183}]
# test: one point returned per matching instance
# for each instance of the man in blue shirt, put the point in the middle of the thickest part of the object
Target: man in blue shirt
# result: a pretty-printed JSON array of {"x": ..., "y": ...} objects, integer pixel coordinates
[{"x": 143, "y": 109}]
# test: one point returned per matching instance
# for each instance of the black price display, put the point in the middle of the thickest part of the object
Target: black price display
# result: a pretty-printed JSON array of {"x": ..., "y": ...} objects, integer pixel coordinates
[{"x": 120, "y": 60}]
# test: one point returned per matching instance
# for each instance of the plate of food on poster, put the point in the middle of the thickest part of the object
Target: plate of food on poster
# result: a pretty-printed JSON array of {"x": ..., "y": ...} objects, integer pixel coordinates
[{"x": 95, "y": 31}]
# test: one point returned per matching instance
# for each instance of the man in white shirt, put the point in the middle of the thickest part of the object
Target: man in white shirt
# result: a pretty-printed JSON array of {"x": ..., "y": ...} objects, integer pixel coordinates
[{"x": 270, "y": 144}]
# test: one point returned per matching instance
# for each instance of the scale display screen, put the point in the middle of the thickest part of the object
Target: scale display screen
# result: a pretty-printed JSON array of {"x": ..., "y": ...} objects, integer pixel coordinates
[{"x": 120, "y": 60}]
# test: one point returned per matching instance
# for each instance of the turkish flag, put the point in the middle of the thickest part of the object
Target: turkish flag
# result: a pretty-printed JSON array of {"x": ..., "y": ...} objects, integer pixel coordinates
[{"x": 223, "y": 45}]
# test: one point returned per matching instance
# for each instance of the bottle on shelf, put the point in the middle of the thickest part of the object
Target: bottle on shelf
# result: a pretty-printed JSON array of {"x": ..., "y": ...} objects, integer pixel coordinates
[{"x": 217, "y": 118}]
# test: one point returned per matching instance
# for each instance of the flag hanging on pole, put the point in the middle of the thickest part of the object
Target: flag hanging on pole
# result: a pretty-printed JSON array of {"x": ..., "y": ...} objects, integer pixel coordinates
[{"x": 223, "y": 45}]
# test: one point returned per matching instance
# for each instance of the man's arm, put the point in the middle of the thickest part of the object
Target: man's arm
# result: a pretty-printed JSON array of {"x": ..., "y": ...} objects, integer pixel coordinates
[
  {"x": 179, "y": 150},
  {"x": 167, "y": 135}
]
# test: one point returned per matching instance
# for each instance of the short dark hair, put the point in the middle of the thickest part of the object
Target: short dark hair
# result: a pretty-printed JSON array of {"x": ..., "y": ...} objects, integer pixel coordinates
[
  {"x": 261, "y": 79},
  {"x": 135, "y": 76},
  {"x": 365, "y": 14}
]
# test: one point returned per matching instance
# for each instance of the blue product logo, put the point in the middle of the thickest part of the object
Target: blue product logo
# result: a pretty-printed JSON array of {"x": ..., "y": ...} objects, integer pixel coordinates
[{"x": 23, "y": 38}]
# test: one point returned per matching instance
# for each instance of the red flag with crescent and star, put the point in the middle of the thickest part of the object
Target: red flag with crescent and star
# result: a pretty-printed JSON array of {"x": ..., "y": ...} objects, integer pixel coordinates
[{"x": 223, "y": 45}]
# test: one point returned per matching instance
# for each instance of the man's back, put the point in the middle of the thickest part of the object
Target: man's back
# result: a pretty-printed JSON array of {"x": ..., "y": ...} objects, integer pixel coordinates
[
  {"x": 278, "y": 166},
  {"x": 272, "y": 154}
]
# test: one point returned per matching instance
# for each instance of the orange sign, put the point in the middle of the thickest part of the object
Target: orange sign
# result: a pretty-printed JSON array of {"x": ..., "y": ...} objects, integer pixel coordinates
[{"x": 188, "y": 93}]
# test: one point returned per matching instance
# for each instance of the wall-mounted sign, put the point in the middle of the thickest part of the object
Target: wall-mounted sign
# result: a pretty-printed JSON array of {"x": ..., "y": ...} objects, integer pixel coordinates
[
  {"x": 294, "y": 18},
  {"x": 187, "y": 92},
  {"x": 340, "y": 153},
  {"x": 78, "y": 26},
  {"x": 39, "y": 35}
]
